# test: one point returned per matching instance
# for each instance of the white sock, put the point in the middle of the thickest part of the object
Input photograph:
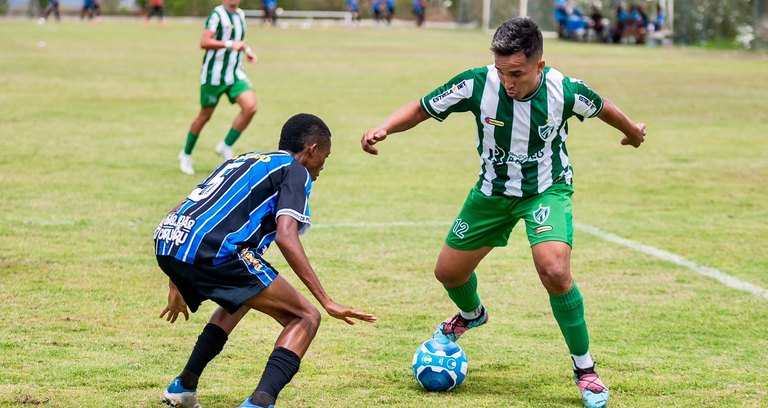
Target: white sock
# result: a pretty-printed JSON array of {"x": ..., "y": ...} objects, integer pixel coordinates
[
  {"x": 473, "y": 314},
  {"x": 584, "y": 361}
]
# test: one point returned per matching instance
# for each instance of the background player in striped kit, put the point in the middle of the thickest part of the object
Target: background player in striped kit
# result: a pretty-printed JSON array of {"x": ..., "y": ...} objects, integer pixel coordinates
[
  {"x": 222, "y": 72},
  {"x": 211, "y": 247},
  {"x": 521, "y": 108}
]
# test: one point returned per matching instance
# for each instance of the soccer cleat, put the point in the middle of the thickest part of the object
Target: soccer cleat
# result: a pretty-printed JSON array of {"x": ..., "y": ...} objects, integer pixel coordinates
[
  {"x": 185, "y": 163},
  {"x": 453, "y": 327},
  {"x": 179, "y": 397},
  {"x": 224, "y": 151},
  {"x": 248, "y": 404},
  {"x": 593, "y": 392}
]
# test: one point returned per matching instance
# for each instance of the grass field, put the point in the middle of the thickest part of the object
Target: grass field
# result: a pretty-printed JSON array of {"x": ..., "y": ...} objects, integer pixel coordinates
[{"x": 91, "y": 120}]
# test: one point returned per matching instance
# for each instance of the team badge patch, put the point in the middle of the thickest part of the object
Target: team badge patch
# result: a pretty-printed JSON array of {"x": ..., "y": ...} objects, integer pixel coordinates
[
  {"x": 541, "y": 214},
  {"x": 546, "y": 131}
]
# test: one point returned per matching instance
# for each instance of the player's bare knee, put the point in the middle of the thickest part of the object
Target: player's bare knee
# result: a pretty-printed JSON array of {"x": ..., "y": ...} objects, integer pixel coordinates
[{"x": 312, "y": 316}]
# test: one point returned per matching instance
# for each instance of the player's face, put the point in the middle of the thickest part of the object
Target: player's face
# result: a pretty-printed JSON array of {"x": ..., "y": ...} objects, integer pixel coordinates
[
  {"x": 231, "y": 4},
  {"x": 519, "y": 75},
  {"x": 314, "y": 156}
]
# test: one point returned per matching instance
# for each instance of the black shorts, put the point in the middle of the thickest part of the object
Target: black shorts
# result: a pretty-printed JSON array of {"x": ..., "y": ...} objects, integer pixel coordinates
[{"x": 228, "y": 284}]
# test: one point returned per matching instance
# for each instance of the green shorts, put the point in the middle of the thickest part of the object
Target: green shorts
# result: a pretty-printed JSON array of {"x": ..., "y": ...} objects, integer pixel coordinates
[
  {"x": 210, "y": 94},
  {"x": 488, "y": 221}
]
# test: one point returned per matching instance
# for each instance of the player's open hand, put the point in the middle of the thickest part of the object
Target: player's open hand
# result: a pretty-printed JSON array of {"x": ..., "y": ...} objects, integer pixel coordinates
[
  {"x": 372, "y": 137},
  {"x": 347, "y": 314},
  {"x": 176, "y": 305},
  {"x": 636, "y": 138}
]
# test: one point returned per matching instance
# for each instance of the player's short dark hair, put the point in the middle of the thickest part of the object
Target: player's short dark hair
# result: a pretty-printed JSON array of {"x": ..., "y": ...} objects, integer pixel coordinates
[
  {"x": 303, "y": 130},
  {"x": 518, "y": 34}
]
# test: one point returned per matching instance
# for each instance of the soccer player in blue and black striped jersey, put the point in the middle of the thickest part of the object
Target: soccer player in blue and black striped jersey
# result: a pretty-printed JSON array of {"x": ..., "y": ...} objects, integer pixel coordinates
[{"x": 211, "y": 247}]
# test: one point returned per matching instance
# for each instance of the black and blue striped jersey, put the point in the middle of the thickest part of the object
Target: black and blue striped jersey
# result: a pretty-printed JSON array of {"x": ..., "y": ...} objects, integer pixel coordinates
[{"x": 236, "y": 207}]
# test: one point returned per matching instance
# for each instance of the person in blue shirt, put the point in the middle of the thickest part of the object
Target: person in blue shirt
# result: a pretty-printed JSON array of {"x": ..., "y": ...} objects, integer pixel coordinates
[
  {"x": 377, "y": 10},
  {"x": 390, "y": 11},
  {"x": 419, "y": 8},
  {"x": 270, "y": 8},
  {"x": 211, "y": 246},
  {"x": 353, "y": 6}
]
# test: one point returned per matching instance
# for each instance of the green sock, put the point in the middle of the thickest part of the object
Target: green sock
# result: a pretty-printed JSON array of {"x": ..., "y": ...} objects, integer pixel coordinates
[
  {"x": 465, "y": 296},
  {"x": 568, "y": 309},
  {"x": 232, "y": 137},
  {"x": 190, "y": 145}
]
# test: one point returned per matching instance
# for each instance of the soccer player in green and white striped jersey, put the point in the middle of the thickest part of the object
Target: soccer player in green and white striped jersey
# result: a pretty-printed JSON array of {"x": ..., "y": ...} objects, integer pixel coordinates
[
  {"x": 520, "y": 108},
  {"x": 222, "y": 72}
]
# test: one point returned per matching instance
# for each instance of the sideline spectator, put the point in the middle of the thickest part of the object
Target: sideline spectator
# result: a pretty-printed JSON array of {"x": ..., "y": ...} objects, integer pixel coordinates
[
  {"x": 598, "y": 26},
  {"x": 620, "y": 26},
  {"x": 377, "y": 10},
  {"x": 419, "y": 8},
  {"x": 270, "y": 15},
  {"x": 390, "y": 11},
  {"x": 353, "y": 6},
  {"x": 155, "y": 9},
  {"x": 53, "y": 7},
  {"x": 658, "y": 23},
  {"x": 561, "y": 16}
]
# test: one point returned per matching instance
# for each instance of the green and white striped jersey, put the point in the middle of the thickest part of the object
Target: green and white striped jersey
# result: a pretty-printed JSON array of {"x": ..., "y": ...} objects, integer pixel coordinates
[
  {"x": 521, "y": 143},
  {"x": 223, "y": 66}
]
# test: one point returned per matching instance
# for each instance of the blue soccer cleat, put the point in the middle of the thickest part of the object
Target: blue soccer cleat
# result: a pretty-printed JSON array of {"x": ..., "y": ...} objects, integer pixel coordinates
[
  {"x": 453, "y": 327},
  {"x": 248, "y": 404},
  {"x": 593, "y": 392},
  {"x": 179, "y": 397}
]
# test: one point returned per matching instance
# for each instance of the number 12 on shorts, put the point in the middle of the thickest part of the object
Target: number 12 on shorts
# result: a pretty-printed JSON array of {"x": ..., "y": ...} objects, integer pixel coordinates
[{"x": 460, "y": 227}]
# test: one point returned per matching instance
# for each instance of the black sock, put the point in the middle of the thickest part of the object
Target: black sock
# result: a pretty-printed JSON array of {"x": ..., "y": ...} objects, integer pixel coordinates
[
  {"x": 282, "y": 365},
  {"x": 209, "y": 345}
]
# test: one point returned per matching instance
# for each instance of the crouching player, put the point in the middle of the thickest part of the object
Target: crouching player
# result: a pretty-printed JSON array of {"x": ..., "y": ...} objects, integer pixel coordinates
[{"x": 211, "y": 247}]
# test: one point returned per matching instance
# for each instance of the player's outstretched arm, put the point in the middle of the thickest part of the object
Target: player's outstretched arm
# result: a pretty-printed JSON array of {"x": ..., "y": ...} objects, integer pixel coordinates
[
  {"x": 634, "y": 133},
  {"x": 176, "y": 304},
  {"x": 287, "y": 239},
  {"x": 404, "y": 118}
]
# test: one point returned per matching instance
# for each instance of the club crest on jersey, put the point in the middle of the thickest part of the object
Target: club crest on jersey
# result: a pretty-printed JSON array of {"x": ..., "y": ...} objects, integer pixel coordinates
[
  {"x": 547, "y": 130},
  {"x": 494, "y": 122},
  {"x": 541, "y": 214}
]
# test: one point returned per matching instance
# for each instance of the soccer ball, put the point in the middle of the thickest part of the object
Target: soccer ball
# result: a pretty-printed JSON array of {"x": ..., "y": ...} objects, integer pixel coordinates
[{"x": 439, "y": 365}]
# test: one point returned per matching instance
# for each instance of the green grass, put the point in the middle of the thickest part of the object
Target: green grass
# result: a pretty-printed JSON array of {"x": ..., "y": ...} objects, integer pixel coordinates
[{"x": 94, "y": 115}]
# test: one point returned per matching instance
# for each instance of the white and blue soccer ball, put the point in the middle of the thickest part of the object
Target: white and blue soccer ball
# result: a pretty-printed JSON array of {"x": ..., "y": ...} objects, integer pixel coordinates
[{"x": 439, "y": 365}]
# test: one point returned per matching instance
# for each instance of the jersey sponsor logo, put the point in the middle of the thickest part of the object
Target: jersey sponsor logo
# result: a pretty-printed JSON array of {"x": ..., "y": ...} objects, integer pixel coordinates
[
  {"x": 543, "y": 228},
  {"x": 460, "y": 227},
  {"x": 541, "y": 214},
  {"x": 174, "y": 229},
  {"x": 586, "y": 101},
  {"x": 452, "y": 90},
  {"x": 547, "y": 130},
  {"x": 494, "y": 122},
  {"x": 501, "y": 157},
  {"x": 254, "y": 262}
]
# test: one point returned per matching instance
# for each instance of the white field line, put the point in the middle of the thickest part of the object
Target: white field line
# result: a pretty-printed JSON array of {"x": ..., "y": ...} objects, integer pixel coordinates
[{"x": 703, "y": 270}]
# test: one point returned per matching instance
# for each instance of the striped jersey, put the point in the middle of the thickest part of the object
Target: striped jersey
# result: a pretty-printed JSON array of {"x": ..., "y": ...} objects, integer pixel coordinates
[
  {"x": 521, "y": 143},
  {"x": 236, "y": 207},
  {"x": 223, "y": 66}
]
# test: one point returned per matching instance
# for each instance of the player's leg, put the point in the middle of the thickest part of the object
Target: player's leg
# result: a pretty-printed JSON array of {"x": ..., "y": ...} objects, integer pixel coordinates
[
  {"x": 300, "y": 321},
  {"x": 209, "y": 98},
  {"x": 455, "y": 269},
  {"x": 482, "y": 223},
  {"x": 242, "y": 93},
  {"x": 182, "y": 392},
  {"x": 549, "y": 225}
]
